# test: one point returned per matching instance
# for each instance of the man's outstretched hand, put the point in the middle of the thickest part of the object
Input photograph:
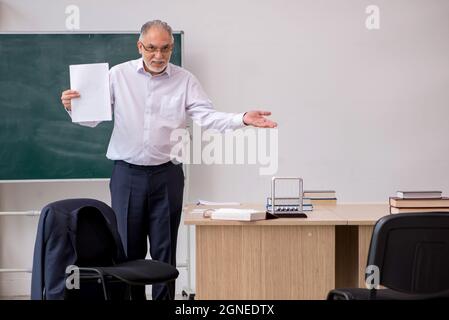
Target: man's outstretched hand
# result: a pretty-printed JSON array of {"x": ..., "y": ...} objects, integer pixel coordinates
[{"x": 257, "y": 119}]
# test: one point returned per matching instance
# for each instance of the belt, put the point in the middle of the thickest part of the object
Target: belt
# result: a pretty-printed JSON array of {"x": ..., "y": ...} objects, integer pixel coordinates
[{"x": 136, "y": 166}]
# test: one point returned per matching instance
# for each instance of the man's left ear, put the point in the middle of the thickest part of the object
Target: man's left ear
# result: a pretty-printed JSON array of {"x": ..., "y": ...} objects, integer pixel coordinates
[{"x": 139, "y": 48}]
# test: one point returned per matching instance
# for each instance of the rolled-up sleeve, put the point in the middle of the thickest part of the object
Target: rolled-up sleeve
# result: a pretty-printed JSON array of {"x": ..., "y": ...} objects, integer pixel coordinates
[{"x": 199, "y": 107}]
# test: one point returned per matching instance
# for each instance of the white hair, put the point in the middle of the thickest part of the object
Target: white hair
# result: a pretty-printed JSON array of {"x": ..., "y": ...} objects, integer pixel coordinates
[{"x": 156, "y": 23}]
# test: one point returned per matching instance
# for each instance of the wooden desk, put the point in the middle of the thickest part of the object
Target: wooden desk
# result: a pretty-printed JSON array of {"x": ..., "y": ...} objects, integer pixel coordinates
[
  {"x": 283, "y": 258},
  {"x": 269, "y": 259}
]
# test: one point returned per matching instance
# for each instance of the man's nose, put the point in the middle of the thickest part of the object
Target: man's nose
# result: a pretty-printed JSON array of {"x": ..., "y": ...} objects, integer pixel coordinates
[{"x": 158, "y": 54}]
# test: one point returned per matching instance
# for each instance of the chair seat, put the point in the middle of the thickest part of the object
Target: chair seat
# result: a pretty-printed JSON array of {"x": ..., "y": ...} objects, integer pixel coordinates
[
  {"x": 141, "y": 272},
  {"x": 381, "y": 294}
]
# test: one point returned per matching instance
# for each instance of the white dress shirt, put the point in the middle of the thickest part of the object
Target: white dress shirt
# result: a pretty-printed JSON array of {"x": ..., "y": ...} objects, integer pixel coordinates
[{"x": 148, "y": 108}]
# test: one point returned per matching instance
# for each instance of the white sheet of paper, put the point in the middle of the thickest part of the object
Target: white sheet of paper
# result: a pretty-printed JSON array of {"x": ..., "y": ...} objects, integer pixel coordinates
[
  {"x": 92, "y": 82},
  {"x": 211, "y": 203}
]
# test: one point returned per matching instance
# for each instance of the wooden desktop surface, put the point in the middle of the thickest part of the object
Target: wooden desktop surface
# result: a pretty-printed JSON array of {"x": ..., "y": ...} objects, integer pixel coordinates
[
  {"x": 361, "y": 214},
  {"x": 341, "y": 214}
]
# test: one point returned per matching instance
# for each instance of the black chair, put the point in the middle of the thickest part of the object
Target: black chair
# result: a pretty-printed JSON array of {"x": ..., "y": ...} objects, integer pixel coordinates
[
  {"x": 411, "y": 252},
  {"x": 83, "y": 233}
]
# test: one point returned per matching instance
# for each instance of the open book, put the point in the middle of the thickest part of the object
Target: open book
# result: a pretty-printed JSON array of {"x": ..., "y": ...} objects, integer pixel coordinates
[{"x": 237, "y": 214}]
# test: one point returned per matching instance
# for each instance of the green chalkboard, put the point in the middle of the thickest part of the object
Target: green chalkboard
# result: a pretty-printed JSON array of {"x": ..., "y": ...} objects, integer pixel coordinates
[{"x": 37, "y": 138}]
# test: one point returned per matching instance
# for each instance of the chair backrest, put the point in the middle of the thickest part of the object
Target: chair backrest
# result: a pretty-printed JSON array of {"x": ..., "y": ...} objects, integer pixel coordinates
[
  {"x": 412, "y": 252},
  {"x": 95, "y": 245}
]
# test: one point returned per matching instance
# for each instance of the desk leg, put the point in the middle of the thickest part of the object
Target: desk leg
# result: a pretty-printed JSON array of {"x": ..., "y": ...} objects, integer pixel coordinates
[{"x": 264, "y": 262}]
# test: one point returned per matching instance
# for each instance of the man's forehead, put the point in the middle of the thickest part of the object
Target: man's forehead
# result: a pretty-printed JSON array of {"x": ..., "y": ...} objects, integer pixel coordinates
[{"x": 157, "y": 34}]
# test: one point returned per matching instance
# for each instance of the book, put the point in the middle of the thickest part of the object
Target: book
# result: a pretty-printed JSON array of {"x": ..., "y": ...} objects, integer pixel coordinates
[
  {"x": 320, "y": 194},
  {"x": 418, "y": 194},
  {"x": 237, "y": 214},
  {"x": 319, "y": 202},
  {"x": 419, "y": 203},
  {"x": 415, "y": 210}
]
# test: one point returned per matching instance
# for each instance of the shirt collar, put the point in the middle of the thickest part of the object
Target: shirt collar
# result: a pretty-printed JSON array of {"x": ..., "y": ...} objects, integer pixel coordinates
[{"x": 141, "y": 69}]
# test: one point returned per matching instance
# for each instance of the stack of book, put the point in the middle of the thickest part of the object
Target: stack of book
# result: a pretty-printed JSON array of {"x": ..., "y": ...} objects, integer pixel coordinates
[
  {"x": 321, "y": 197},
  {"x": 419, "y": 201}
]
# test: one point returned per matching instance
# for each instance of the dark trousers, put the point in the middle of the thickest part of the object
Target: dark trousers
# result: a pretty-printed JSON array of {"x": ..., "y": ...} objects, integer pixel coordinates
[{"x": 148, "y": 203}]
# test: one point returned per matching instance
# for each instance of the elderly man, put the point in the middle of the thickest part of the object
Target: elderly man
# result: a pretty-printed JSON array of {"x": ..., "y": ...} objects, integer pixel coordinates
[{"x": 150, "y": 98}]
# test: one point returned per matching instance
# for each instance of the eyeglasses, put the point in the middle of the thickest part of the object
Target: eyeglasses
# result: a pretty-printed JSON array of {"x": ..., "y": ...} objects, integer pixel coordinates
[{"x": 152, "y": 49}]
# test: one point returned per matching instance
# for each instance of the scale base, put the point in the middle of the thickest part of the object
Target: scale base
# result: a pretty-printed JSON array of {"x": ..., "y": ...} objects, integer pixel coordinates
[{"x": 270, "y": 215}]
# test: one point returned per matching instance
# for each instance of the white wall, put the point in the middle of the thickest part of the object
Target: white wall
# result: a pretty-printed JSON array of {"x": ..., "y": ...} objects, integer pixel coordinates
[{"x": 362, "y": 112}]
